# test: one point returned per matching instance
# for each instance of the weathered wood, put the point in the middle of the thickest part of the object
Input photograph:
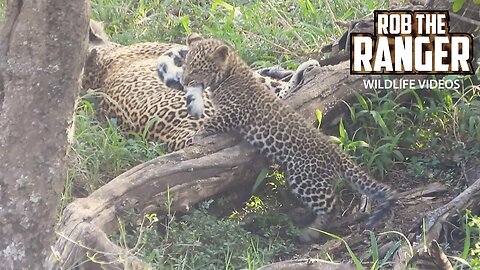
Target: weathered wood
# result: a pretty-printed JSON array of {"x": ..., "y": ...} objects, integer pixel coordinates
[
  {"x": 434, "y": 220},
  {"x": 189, "y": 176},
  {"x": 40, "y": 67},
  {"x": 307, "y": 264}
]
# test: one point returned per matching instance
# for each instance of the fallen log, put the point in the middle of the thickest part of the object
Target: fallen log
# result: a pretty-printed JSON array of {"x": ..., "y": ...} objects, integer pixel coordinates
[
  {"x": 189, "y": 176},
  {"x": 212, "y": 166},
  {"x": 307, "y": 264},
  {"x": 435, "y": 219}
]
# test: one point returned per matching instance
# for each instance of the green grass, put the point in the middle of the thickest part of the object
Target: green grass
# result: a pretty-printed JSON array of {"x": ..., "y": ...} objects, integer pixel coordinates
[
  {"x": 3, "y": 6},
  {"x": 202, "y": 241},
  {"x": 100, "y": 152},
  {"x": 421, "y": 133},
  {"x": 471, "y": 248},
  {"x": 266, "y": 32}
]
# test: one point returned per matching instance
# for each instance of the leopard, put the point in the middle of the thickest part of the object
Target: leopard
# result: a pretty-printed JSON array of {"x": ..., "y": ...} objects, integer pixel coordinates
[
  {"x": 281, "y": 81},
  {"x": 133, "y": 94},
  {"x": 310, "y": 160}
]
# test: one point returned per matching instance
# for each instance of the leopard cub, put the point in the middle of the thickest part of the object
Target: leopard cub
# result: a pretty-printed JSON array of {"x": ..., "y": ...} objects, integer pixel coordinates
[{"x": 310, "y": 160}]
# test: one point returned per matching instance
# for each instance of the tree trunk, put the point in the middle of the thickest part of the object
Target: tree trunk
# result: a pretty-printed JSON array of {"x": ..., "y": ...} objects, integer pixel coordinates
[{"x": 42, "y": 50}]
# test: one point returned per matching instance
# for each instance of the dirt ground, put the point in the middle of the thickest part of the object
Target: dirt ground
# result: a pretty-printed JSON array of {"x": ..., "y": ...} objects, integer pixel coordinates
[{"x": 406, "y": 217}]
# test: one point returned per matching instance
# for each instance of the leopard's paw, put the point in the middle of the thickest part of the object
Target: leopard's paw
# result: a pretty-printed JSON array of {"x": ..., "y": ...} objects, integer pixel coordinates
[{"x": 195, "y": 103}]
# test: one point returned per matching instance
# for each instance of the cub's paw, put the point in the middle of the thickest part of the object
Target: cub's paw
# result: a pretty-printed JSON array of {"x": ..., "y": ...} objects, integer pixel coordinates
[
  {"x": 195, "y": 103},
  {"x": 309, "y": 235},
  {"x": 312, "y": 232}
]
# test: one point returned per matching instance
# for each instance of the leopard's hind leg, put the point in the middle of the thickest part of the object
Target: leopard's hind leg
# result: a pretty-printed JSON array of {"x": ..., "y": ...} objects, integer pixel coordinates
[
  {"x": 315, "y": 192},
  {"x": 365, "y": 184}
]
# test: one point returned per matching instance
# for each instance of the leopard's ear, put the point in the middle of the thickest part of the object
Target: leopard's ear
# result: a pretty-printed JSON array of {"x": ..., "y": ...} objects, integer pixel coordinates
[
  {"x": 193, "y": 37},
  {"x": 220, "y": 55},
  {"x": 96, "y": 34},
  {"x": 91, "y": 58}
]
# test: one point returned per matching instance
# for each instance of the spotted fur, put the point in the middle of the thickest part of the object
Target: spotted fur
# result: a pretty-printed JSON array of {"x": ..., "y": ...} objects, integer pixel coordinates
[
  {"x": 133, "y": 94},
  {"x": 128, "y": 77},
  {"x": 280, "y": 81},
  {"x": 310, "y": 160}
]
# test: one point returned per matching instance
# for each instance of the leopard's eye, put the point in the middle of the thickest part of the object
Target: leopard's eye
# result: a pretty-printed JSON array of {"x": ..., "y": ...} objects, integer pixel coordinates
[
  {"x": 195, "y": 83},
  {"x": 192, "y": 83}
]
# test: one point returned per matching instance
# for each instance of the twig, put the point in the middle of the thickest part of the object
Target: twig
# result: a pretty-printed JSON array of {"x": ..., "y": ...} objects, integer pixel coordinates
[{"x": 465, "y": 19}]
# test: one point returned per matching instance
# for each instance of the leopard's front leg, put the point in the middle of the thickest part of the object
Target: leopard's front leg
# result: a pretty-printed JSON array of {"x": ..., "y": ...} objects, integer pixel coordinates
[{"x": 223, "y": 121}]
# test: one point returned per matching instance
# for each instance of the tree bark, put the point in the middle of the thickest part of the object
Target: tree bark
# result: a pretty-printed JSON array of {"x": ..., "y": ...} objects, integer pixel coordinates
[
  {"x": 42, "y": 50},
  {"x": 307, "y": 264}
]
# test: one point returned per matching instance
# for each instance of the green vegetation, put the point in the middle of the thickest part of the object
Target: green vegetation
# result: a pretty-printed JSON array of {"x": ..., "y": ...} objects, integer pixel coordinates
[
  {"x": 426, "y": 134},
  {"x": 388, "y": 129},
  {"x": 266, "y": 32},
  {"x": 202, "y": 241},
  {"x": 472, "y": 240},
  {"x": 3, "y": 6},
  {"x": 100, "y": 152},
  {"x": 377, "y": 262}
]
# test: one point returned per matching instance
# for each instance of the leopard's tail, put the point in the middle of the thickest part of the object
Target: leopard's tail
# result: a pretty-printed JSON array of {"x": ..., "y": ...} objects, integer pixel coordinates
[{"x": 365, "y": 184}]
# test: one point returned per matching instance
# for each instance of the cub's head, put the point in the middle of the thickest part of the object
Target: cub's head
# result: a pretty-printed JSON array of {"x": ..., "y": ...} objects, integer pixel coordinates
[{"x": 208, "y": 62}]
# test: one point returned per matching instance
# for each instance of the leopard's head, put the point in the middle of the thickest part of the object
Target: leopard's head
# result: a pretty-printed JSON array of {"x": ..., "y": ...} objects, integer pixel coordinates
[{"x": 208, "y": 62}]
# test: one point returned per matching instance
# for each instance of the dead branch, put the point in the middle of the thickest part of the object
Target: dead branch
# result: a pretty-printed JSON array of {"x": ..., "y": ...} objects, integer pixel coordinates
[
  {"x": 307, "y": 264},
  {"x": 434, "y": 220},
  {"x": 190, "y": 175}
]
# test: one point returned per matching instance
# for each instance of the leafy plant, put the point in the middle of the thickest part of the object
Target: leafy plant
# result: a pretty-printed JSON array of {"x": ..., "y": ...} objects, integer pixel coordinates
[
  {"x": 377, "y": 262},
  {"x": 471, "y": 247},
  {"x": 194, "y": 243}
]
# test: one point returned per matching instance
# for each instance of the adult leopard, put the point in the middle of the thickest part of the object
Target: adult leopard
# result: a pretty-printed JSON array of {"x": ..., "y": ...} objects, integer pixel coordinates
[
  {"x": 134, "y": 94},
  {"x": 310, "y": 160}
]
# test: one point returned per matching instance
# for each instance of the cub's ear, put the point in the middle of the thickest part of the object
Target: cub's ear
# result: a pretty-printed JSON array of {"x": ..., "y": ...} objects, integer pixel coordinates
[
  {"x": 193, "y": 37},
  {"x": 219, "y": 56}
]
